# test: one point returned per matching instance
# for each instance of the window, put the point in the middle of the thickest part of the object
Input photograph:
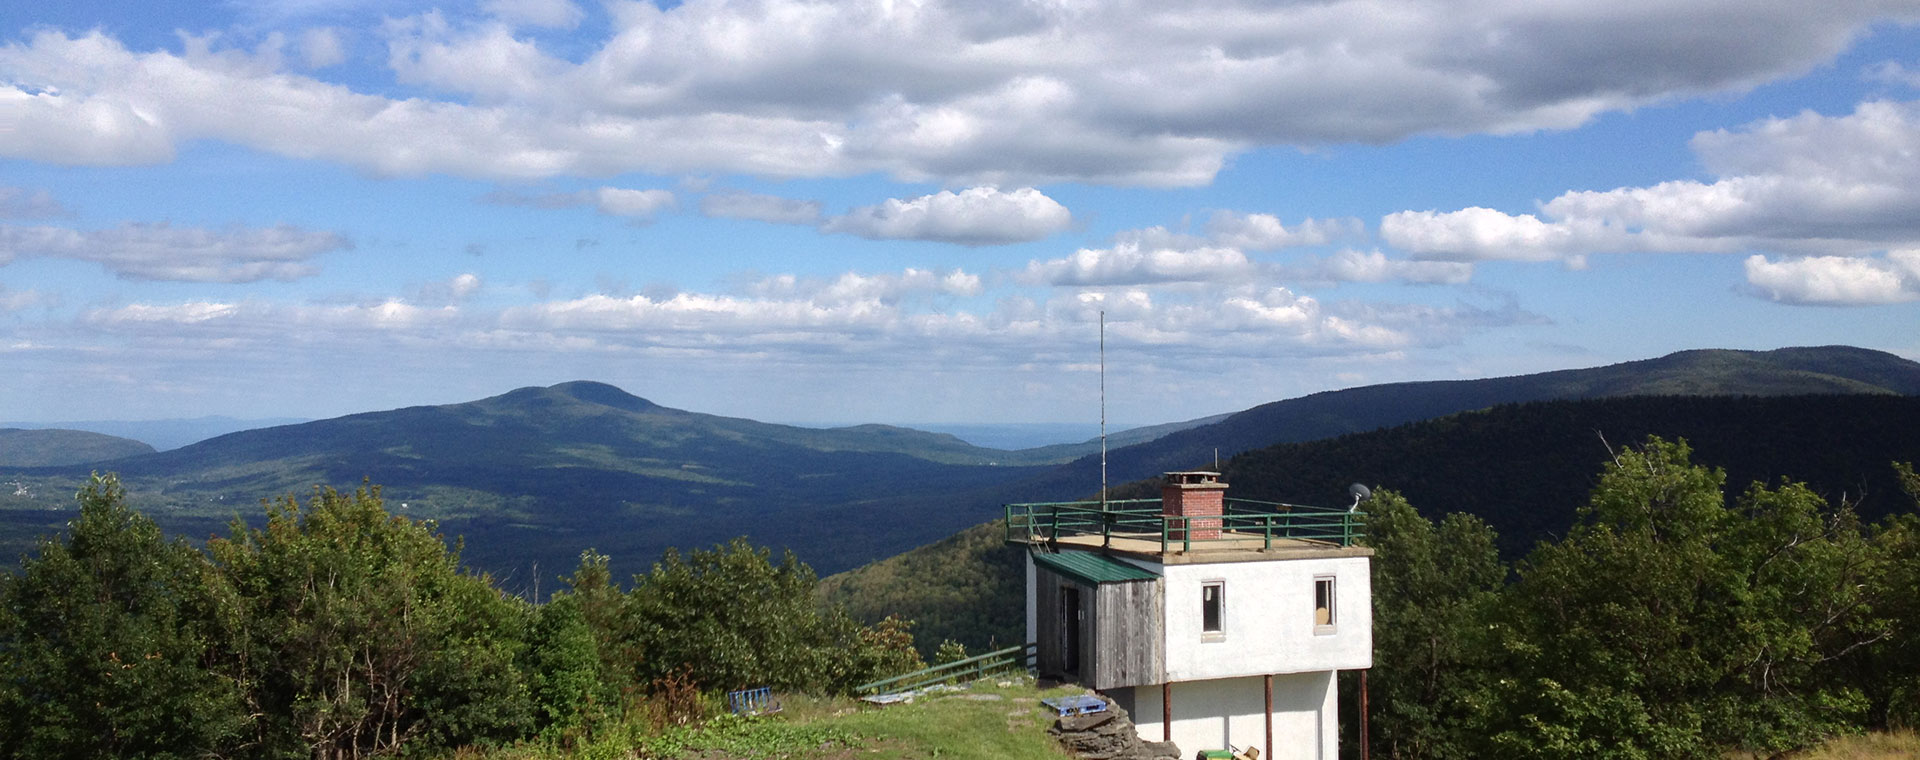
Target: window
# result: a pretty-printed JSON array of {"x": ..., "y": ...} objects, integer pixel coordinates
[
  {"x": 1323, "y": 609},
  {"x": 1212, "y": 606}
]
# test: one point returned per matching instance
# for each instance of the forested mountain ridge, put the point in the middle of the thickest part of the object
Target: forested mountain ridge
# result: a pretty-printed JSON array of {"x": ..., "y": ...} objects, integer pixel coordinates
[
  {"x": 1707, "y": 372},
  {"x": 543, "y": 473},
  {"x": 1523, "y": 468},
  {"x": 54, "y": 447}
]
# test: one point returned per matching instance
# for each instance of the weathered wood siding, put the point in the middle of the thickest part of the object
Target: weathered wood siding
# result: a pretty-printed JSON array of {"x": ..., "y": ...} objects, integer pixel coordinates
[
  {"x": 1050, "y": 639},
  {"x": 1121, "y": 643},
  {"x": 1125, "y": 640}
]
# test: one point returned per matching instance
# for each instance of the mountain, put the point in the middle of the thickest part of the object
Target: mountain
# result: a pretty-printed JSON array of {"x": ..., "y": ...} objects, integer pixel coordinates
[
  {"x": 538, "y": 474},
  {"x": 1715, "y": 372},
  {"x": 53, "y": 447},
  {"x": 1524, "y": 468},
  {"x": 162, "y": 434}
]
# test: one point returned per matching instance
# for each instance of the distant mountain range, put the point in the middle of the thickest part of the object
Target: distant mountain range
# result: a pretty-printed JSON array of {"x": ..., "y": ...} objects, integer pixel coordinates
[
  {"x": 162, "y": 434},
  {"x": 49, "y": 448},
  {"x": 538, "y": 474},
  {"x": 1717, "y": 372}
]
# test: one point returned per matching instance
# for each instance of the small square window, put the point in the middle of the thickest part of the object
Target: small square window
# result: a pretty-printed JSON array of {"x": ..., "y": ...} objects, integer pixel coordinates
[
  {"x": 1323, "y": 605},
  {"x": 1212, "y": 606}
]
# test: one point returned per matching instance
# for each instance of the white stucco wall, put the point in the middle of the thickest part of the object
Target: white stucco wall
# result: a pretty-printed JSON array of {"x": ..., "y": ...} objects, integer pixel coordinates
[
  {"x": 1268, "y": 618},
  {"x": 1230, "y": 712}
]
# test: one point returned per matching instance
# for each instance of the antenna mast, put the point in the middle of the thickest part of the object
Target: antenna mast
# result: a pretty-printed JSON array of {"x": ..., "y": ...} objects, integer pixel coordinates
[{"x": 1103, "y": 410}]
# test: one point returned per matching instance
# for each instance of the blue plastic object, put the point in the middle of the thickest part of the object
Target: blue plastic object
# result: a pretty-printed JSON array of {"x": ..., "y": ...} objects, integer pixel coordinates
[{"x": 1078, "y": 704}]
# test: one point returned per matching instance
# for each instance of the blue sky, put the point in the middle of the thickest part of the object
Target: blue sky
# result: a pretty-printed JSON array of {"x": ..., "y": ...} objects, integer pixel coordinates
[{"x": 914, "y": 212}]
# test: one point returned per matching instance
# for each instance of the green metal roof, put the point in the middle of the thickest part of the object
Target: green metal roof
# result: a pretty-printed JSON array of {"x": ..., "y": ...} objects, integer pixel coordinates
[{"x": 1088, "y": 567}]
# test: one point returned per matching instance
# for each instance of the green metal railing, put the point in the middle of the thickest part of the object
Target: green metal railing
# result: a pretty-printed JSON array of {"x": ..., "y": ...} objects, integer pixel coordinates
[
  {"x": 1241, "y": 519},
  {"x": 971, "y": 668}
]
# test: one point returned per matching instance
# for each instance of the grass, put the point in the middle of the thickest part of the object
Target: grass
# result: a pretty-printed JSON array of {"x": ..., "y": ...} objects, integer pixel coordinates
[
  {"x": 991, "y": 720},
  {"x": 1875, "y": 746}
]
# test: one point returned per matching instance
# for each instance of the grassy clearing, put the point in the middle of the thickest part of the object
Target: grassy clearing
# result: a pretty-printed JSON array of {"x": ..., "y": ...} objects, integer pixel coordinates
[
  {"x": 1875, "y": 746},
  {"x": 991, "y": 720}
]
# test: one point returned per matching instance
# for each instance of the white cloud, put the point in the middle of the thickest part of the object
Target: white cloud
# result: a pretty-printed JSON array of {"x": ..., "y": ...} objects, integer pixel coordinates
[
  {"x": 452, "y": 291},
  {"x": 955, "y": 92},
  {"x": 139, "y": 251},
  {"x": 21, "y": 203},
  {"x": 260, "y": 322},
  {"x": 21, "y": 300},
  {"x": 1130, "y": 262},
  {"x": 1837, "y": 280},
  {"x": 882, "y": 288},
  {"x": 1373, "y": 266},
  {"x": 765, "y": 208},
  {"x": 321, "y": 47},
  {"x": 1263, "y": 232},
  {"x": 1893, "y": 72},
  {"x": 546, "y": 13},
  {"x": 1480, "y": 234},
  {"x": 1806, "y": 184},
  {"x": 639, "y": 205},
  {"x": 975, "y": 216}
]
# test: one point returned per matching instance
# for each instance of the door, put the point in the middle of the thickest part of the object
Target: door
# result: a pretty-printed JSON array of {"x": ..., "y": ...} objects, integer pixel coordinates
[{"x": 1071, "y": 618}]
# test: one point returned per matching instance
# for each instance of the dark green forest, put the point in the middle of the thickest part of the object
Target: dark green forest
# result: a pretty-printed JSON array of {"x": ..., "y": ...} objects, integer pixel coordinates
[{"x": 1670, "y": 622}]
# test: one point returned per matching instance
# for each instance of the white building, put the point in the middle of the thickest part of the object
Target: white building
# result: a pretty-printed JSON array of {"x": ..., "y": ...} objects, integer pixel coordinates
[{"x": 1217, "y": 623}]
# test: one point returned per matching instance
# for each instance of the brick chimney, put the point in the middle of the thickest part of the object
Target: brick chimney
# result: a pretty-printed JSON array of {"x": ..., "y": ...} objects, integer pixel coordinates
[{"x": 1196, "y": 496}]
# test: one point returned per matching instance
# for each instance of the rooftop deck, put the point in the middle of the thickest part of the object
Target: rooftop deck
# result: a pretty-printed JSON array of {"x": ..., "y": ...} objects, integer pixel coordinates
[{"x": 1260, "y": 529}]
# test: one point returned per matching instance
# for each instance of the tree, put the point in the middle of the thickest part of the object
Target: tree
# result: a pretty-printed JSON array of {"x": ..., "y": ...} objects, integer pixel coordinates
[
  {"x": 356, "y": 633},
  {"x": 104, "y": 641},
  {"x": 1668, "y": 625},
  {"x": 1431, "y": 592}
]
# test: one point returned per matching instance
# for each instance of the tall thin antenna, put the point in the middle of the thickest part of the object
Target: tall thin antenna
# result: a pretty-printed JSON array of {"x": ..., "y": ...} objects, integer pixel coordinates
[{"x": 1103, "y": 410}]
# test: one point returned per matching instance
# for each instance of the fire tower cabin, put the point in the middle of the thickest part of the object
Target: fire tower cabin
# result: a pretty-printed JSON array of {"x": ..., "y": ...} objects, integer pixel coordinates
[{"x": 1217, "y": 623}]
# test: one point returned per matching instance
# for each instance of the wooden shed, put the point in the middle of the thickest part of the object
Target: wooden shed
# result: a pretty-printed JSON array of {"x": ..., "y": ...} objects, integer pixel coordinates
[{"x": 1099, "y": 620}]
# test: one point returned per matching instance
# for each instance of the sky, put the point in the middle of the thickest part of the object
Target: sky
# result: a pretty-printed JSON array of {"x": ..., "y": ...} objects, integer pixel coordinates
[{"x": 917, "y": 211}]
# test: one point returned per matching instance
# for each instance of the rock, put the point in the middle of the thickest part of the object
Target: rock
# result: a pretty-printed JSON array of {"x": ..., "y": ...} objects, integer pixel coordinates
[{"x": 1108, "y": 735}]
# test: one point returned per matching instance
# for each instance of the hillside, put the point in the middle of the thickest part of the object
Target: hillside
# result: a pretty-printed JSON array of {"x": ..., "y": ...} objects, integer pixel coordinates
[
  {"x": 1522, "y": 467},
  {"x": 538, "y": 474},
  {"x": 163, "y": 435},
  {"x": 55, "y": 447},
  {"x": 1781, "y": 372}
]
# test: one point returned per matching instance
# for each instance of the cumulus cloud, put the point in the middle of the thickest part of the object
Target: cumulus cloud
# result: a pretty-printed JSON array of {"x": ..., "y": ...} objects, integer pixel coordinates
[
  {"x": 1158, "y": 256},
  {"x": 454, "y": 290},
  {"x": 853, "y": 286},
  {"x": 1264, "y": 232},
  {"x": 1139, "y": 262},
  {"x": 958, "y": 92},
  {"x": 321, "y": 47},
  {"x": 1373, "y": 266},
  {"x": 639, "y": 205},
  {"x": 764, "y": 208},
  {"x": 138, "y": 251},
  {"x": 1808, "y": 184},
  {"x": 1481, "y": 234},
  {"x": 975, "y": 216},
  {"x": 1837, "y": 280},
  {"x": 21, "y": 203}
]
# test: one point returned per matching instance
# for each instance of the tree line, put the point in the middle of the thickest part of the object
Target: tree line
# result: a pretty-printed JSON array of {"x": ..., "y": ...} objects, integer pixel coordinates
[
  {"x": 338, "y": 630},
  {"x": 1669, "y": 622}
]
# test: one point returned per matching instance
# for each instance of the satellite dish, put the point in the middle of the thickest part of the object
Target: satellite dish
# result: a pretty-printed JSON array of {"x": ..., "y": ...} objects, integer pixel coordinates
[{"x": 1360, "y": 493}]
